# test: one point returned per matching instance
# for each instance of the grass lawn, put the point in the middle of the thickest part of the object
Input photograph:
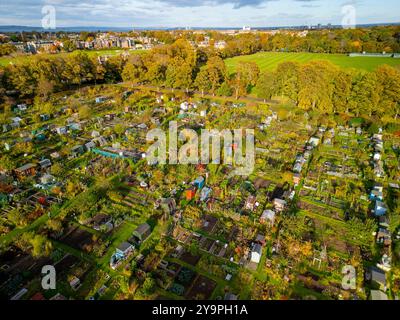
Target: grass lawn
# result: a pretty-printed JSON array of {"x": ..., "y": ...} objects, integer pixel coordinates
[
  {"x": 9, "y": 237},
  {"x": 22, "y": 58},
  {"x": 270, "y": 60},
  {"x": 121, "y": 234}
]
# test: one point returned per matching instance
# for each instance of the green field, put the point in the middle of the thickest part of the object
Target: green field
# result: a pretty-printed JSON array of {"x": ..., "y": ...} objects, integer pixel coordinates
[
  {"x": 270, "y": 60},
  {"x": 6, "y": 60}
]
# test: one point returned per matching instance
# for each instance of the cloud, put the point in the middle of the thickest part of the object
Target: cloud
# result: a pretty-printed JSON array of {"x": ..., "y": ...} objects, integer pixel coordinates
[
  {"x": 201, "y": 3},
  {"x": 199, "y": 13}
]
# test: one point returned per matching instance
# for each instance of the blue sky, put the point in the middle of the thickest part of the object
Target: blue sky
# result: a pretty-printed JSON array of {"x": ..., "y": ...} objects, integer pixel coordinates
[{"x": 196, "y": 13}]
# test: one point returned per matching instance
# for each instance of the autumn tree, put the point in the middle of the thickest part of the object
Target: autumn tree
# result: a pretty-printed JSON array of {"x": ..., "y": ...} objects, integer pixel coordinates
[
  {"x": 179, "y": 74},
  {"x": 246, "y": 77},
  {"x": 286, "y": 79},
  {"x": 134, "y": 70},
  {"x": 266, "y": 85},
  {"x": 389, "y": 80},
  {"x": 211, "y": 76},
  {"x": 343, "y": 82},
  {"x": 365, "y": 96},
  {"x": 316, "y": 87}
]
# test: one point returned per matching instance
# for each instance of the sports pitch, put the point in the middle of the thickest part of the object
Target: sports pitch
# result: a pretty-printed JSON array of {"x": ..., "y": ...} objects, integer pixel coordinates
[{"x": 270, "y": 60}]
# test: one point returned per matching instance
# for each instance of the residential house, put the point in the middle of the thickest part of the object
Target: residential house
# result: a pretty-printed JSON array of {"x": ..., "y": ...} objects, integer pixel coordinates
[
  {"x": 307, "y": 155},
  {"x": 190, "y": 193},
  {"x": 95, "y": 134},
  {"x": 100, "y": 141},
  {"x": 16, "y": 122},
  {"x": 256, "y": 253},
  {"x": 121, "y": 253},
  {"x": 124, "y": 249},
  {"x": 142, "y": 126},
  {"x": 296, "y": 178},
  {"x": 377, "y": 138},
  {"x": 47, "y": 179},
  {"x": 184, "y": 106},
  {"x": 385, "y": 263},
  {"x": 55, "y": 155},
  {"x": 314, "y": 141},
  {"x": 199, "y": 183},
  {"x": 141, "y": 233},
  {"x": 45, "y": 163},
  {"x": 74, "y": 126},
  {"x": 100, "y": 99},
  {"x": 268, "y": 216},
  {"x": 279, "y": 204},
  {"x": 90, "y": 145},
  {"x": 75, "y": 283},
  {"x": 102, "y": 222},
  {"x": 378, "y": 277},
  {"x": 297, "y": 167},
  {"x": 380, "y": 208},
  {"x": 383, "y": 236},
  {"x": 251, "y": 203},
  {"x": 376, "y": 193},
  {"x": 61, "y": 130},
  {"x": 26, "y": 170},
  {"x": 260, "y": 239},
  {"x": 22, "y": 107},
  {"x": 378, "y": 169},
  {"x": 205, "y": 194},
  {"x": 220, "y": 45},
  {"x": 110, "y": 116},
  {"x": 77, "y": 151}
]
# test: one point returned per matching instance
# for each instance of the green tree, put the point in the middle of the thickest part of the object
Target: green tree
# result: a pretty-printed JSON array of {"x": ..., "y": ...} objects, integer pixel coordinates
[
  {"x": 202, "y": 81},
  {"x": 286, "y": 79},
  {"x": 266, "y": 85},
  {"x": 84, "y": 112},
  {"x": 148, "y": 285},
  {"x": 246, "y": 77},
  {"x": 179, "y": 74},
  {"x": 134, "y": 71},
  {"x": 119, "y": 129},
  {"x": 6, "y": 163},
  {"x": 225, "y": 90}
]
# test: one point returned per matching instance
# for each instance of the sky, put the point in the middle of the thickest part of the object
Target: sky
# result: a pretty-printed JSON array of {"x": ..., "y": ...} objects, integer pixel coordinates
[{"x": 196, "y": 13}]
